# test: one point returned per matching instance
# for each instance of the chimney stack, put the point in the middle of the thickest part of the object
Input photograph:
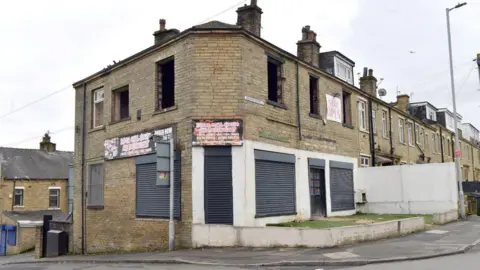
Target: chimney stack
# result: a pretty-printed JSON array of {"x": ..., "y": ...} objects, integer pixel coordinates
[
  {"x": 163, "y": 35},
  {"x": 368, "y": 83},
  {"x": 47, "y": 145},
  {"x": 402, "y": 102},
  {"x": 308, "y": 49},
  {"x": 250, "y": 18}
]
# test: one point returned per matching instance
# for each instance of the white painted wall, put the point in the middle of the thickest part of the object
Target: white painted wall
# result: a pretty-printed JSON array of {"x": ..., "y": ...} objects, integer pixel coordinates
[
  {"x": 243, "y": 174},
  {"x": 409, "y": 189}
]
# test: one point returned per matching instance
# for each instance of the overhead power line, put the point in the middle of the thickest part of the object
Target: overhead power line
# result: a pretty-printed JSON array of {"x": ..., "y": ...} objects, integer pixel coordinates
[
  {"x": 220, "y": 13},
  {"x": 38, "y": 137},
  {"x": 34, "y": 102}
]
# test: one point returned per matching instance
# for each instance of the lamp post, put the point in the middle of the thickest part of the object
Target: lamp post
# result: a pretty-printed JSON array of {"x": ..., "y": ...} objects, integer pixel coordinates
[{"x": 457, "y": 143}]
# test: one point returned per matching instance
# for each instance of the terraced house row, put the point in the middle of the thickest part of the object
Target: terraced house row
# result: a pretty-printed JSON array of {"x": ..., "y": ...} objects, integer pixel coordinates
[{"x": 261, "y": 135}]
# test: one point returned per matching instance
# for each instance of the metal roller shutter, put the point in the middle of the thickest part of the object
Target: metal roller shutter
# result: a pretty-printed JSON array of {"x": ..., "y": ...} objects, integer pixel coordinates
[
  {"x": 153, "y": 201},
  {"x": 341, "y": 189},
  {"x": 274, "y": 188},
  {"x": 218, "y": 185}
]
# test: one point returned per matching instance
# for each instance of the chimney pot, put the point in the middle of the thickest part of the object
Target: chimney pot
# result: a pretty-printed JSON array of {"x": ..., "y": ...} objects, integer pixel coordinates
[
  {"x": 162, "y": 24},
  {"x": 370, "y": 72},
  {"x": 365, "y": 72},
  {"x": 311, "y": 35},
  {"x": 253, "y": 3}
]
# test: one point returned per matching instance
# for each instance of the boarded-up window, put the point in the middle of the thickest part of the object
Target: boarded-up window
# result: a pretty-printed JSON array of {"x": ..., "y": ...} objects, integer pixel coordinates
[{"x": 95, "y": 186}]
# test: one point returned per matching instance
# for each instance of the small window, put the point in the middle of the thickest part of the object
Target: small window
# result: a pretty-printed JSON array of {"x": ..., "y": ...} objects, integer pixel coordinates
[
  {"x": 18, "y": 200},
  {"x": 98, "y": 97},
  {"x": 314, "y": 96},
  {"x": 346, "y": 106},
  {"x": 166, "y": 84},
  {"x": 54, "y": 198},
  {"x": 374, "y": 122},
  {"x": 401, "y": 131},
  {"x": 410, "y": 133},
  {"x": 275, "y": 78},
  {"x": 362, "y": 108},
  {"x": 121, "y": 104},
  {"x": 384, "y": 124},
  {"x": 364, "y": 161}
]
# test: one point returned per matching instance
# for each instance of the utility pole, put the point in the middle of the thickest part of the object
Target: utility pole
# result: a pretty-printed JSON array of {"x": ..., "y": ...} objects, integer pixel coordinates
[{"x": 455, "y": 122}]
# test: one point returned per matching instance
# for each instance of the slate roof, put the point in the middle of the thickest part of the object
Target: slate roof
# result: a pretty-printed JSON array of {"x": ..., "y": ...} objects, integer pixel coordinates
[
  {"x": 17, "y": 163},
  {"x": 35, "y": 216},
  {"x": 216, "y": 25}
]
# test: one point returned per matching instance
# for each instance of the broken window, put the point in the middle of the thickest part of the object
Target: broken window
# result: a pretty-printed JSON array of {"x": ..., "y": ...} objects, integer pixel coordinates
[
  {"x": 121, "y": 107},
  {"x": 275, "y": 78},
  {"x": 346, "y": 106},
  {"x": 314, "y": 96},
  {"x": 97, "y": 119},
  {"x": 166, "y": 84}
]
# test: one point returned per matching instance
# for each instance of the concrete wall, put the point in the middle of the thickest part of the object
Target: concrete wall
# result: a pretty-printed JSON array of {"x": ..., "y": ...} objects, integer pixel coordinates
[
  {"x": 228, "y": 236},
  {"x": 243, "y": 174},
  {"x": 409, "y": 189}
]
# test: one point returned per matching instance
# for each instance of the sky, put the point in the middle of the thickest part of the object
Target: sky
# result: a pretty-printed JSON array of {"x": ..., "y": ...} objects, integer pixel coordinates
[{"x": 48, "y": 45}]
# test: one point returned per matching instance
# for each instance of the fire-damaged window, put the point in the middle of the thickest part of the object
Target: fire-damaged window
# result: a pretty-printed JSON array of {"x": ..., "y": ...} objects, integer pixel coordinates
[
  {"x": 314, "y": 96},
  {"x": 97, "y": 108},
  {"x": 121, "y": 104},
  {"x": 347, "y": 109},
  {"x": 275, "y": 80},
  {"x": 165, "y": 84}
]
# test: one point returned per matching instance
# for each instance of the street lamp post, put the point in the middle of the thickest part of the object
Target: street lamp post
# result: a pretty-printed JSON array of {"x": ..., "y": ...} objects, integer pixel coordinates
[{"x": 457, "y": 143}]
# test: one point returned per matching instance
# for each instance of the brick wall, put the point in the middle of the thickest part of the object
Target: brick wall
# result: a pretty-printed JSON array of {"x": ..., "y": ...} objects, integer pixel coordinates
[{"x": 35, "y": 196}]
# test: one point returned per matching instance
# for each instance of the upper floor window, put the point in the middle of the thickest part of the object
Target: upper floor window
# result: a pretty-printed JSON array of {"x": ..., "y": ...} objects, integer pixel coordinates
[
  {"x": 374, "y": 120},
  {"x": 362, "y": 108},
  {"x": 384, "y": 124},
  {"x": 422, "y": 133},
  {"x": 54, "y": 197},
  {"x": 314, "y": 96},
  {"x": 410, "y": 133},
  {"x": 343, "y": 71},
  {"x": 347, "y": 109},
  {"x": 275, "y": 80},
  {"x": 121, "y": 104},
  {"x": 97, "y": 108},
  {"x": 401, "y": 131},
  {"x": 434, "y": 143},
  {"x": 417, "y": 134},
  {"x": 18, "y": 196},
  {"x": 166, "y": 84},
  {"x": 425, "y": 145},
  {"x": 449, "y": 146}
]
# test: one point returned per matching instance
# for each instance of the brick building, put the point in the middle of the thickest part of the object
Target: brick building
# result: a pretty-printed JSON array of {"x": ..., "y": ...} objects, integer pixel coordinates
[{"x": 261, "y": 135}]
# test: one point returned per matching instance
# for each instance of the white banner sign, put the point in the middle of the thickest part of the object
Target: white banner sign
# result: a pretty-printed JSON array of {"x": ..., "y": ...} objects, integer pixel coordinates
[{"x": 334, "y": 109}]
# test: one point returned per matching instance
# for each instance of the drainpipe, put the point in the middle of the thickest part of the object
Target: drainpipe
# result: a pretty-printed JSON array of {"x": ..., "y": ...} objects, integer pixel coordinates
[
  {"x": 390, "y": 130},
  {"x": 298, "y": 105},
  {"x": 416, "y": 143},
  {"x": 371, "y": 135},
  {"x": 84, "y": 112},
  {"x": 70, "y": 189},
  {"x": 473, "y": 165},
  {"x": 441, "y": 145}
]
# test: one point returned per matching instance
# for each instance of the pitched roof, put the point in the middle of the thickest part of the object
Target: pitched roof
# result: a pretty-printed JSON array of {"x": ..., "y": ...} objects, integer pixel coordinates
[
  {"x": 216, "y": 25},
  {"x": 17, "y": 163}
]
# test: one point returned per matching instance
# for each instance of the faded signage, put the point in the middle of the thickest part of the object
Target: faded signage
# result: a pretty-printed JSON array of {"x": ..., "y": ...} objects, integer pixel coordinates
[
  {"x": 134, "y": 145},
  {"x": 217, "y": 132},
  {"x": 334, "y": 109}
]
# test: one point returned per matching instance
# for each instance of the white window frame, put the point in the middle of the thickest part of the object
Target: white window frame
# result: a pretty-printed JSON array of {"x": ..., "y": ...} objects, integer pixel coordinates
[
  {"x": 95, "y": 102},
  {"x": 374, "y": 120},
  {"x": 384, "y": 123},
  {"x": 58, "y": 197},
  {"x": 362, "y": 115},
  {"x": 401, "y": 130},
  {"x": 417, "y": 134},
  {"x": 23, "y": 197},
  {"x": 434, "y": 143},
  {"x": 410, "y": 133},
  {"x": 422, "y": 130},
  {"x": 364, "y": 161}
]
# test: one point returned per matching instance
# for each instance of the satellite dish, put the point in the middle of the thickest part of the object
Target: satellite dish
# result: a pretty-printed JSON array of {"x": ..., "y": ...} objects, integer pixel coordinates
[{"x": 382, "y": 92}]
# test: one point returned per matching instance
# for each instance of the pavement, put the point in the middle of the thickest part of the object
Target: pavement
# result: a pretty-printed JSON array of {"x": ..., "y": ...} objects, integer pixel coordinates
[{"x": 454, "y": 238}]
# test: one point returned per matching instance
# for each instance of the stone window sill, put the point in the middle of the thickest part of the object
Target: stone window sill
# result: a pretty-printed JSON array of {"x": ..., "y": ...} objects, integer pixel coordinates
[
  {"x": 120, "y": 121},
  {"x": 350, "y": 126},
  {"x": 95, "y": 207},
  {"x": 364, "y": 131},
  {"x": 314, "y": 115},
  {"x": 18, "y": 206},
  {"x": 277, "y": 105},
  {"x": 102, "y": 127},
  {"x": 173, "y": 108}
]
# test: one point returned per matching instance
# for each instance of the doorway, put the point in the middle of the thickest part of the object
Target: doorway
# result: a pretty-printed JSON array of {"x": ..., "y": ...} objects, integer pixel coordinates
[{"x": 318, "y": 198}]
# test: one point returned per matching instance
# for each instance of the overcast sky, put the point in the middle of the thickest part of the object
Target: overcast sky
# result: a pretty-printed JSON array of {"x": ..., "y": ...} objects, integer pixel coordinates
[{"x": 48, "y": 45}]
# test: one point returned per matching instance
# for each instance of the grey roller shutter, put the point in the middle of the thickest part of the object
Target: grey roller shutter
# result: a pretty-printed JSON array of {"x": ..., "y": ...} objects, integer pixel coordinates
[
  {"x": 274, "y": 184},
  {"x": 218, "y": 185},
  {"x": 153, "y": 201},
  {"x": 341, "y": 186}
]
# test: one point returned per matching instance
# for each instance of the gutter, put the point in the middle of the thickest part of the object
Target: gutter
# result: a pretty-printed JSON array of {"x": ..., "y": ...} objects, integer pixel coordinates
[
  {"x": 84, "y": 112},
  {"x": 298, "y": 103},
  {"x": 371, "y": 135},
  {"x": 441, "y": 145}
]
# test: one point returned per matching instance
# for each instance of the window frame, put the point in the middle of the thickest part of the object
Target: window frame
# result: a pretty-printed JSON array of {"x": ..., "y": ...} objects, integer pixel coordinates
[
  {"x": 347, "y": 110},
  {"x": 58, "y": 189},
  {"x": 115, "y": 93},
  {"x": 401, "y": 130},
  {"x": 384, "y": 124},
  {"x": 314, "y": 96},
  {"x": 410, "y": 133},
  {"x": 159, "y": 83},
  {"x": 279, "y": 102},
  {"x": 374, "y": 121},
  {"x": 94, "y": 108},
  {"x": 434, "y": 142},
  {"x": 22, "y": 197},
  {"x": 89, "y": 203},
  {"x": 362, "y": 159},
  {"x": 362, "y": 119}
]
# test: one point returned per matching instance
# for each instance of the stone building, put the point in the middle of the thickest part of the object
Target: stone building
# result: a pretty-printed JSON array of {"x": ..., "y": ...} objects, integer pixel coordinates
[{"x": 261, "y": 135}]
